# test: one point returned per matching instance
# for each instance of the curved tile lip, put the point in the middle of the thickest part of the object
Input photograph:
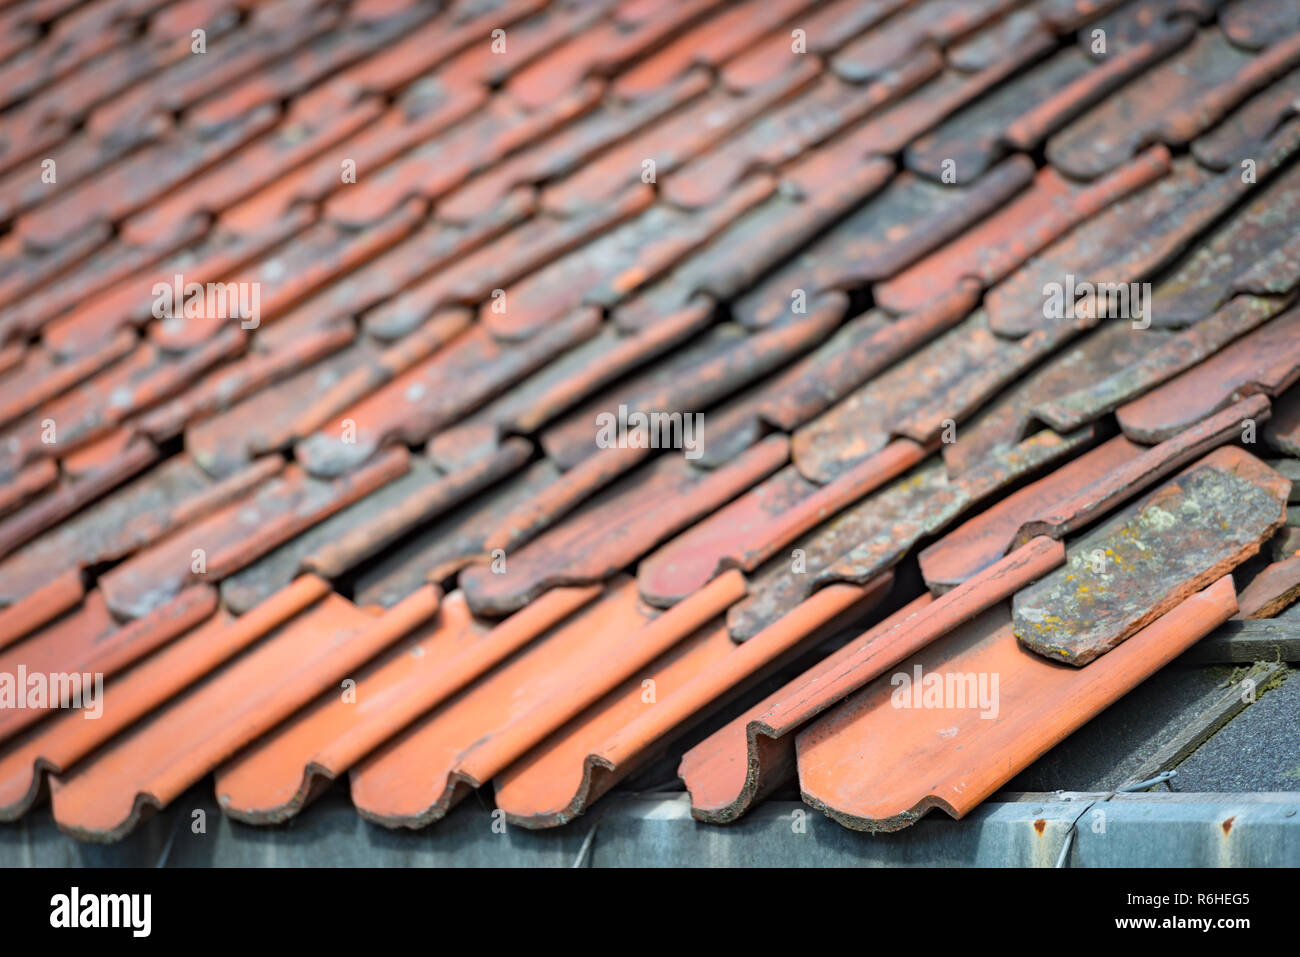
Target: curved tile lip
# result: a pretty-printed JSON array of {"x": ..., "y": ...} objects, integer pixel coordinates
[
  {"x": 269, "y": 782},
  {"x": 494, "y": 723},
  {"x": 706, "y": 687},
  {"x": 105, "y": 798},
  {"x": 953, "y": 780}
]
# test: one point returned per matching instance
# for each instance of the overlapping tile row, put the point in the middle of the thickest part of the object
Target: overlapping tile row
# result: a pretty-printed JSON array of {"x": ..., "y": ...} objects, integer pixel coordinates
[{"x": 330, "y": 332}]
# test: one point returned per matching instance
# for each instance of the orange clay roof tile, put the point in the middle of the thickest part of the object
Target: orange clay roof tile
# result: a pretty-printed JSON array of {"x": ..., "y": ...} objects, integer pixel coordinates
[
  {"x": 848, "y": 760},
  {"x": 55, "y": 745},
  {"x": 152, "y": 764},
  {"x": 274, "y": 778},
  {"x": 476, "y": 229},
  {"x": 478, "y": 733},
  {"x": 563, "y": 775},
  {"x": 1266, "y": 362},
  {"x": 745, "y": 760}
]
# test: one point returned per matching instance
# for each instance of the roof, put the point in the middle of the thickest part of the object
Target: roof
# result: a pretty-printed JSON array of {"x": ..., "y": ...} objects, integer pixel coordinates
[{"x": 337, "y": 341}]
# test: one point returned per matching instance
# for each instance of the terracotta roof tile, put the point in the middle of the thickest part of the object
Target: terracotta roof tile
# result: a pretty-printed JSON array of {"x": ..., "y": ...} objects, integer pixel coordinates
[
  {"x": 877, "y": 532},
  {"x": 1256, "y": 25},
  {"x": 88, "y": 640},
  {"x": 1247, "y": 129},
  {"x": 745, "y": 760},
  {"x": 709, "y": 44},
  {"x": 1022, "y": 113},
  {"x": 1130, "y": 240},
  {"x": 1004, "y": 241},
  {"x": 565, "y": 774},
  {"x": 906, "y": 220},
  {"x": 134, "y": 184},
  {"x": 1172, "y": 104},
  {"x": 747, "y": 531},
  {"x": 1206, "y": 278},
  {"x": 673, "y": 141},
  {"x": 83, "y": 477},
  {"x": 401, "y": 410},
  {"x": 173, "y": 494},
  {"x": 615, "y": 264},
  {"x": 55, "y": 745},
  {"x": 107, "y": 400},
  {"x": 1266, "y": 361},
  {"x": 1151, "y": 556},
  {"x": 985, "y": 538},
  {"x": 931, "y": 22},
  {"x": 482, "y": 730},
  {"x": 274, "y": 778},
  {"x": 482, "y": 257},
  {"x": 1074, "y": 495},
  {"x": 1272, "y": 590},
  {"x": 787, "y": 132},
  {"x": 632, "y": 29},
  {"x": 452, "y": 542},
  {"x": 943, "y": 380},
  {"x": 650, "y": 505},
  {"x": 365, "y": 531},
  {"x": 754, "y": 753},
  {"x": 1283, "y": 431},
  {"x": 826, "y": 26},
  {"x": 238, "y": 533},
  {"x": 828, "y": 229},
  {"x": 862, "y": 347},
  {"x": 470, "y": 147},
  {"x": 876, "y": 733},
  {"x": 714, "y": 365},
  {"x": 158, "y": 759}
]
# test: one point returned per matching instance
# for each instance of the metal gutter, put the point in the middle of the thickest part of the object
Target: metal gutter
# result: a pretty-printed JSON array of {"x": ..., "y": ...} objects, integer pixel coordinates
[{"x": 652, "y": 830}]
